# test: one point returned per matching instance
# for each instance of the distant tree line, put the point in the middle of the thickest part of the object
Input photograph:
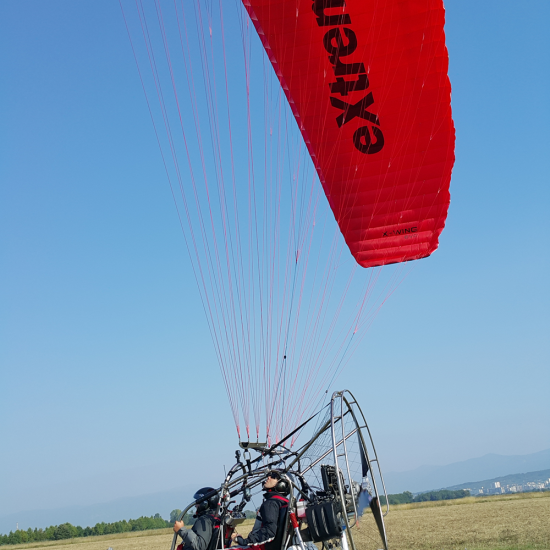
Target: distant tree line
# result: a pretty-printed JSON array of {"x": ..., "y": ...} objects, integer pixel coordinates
[
  {"x": 68, "y": 531},
  {"x": 407, "y": 496}
]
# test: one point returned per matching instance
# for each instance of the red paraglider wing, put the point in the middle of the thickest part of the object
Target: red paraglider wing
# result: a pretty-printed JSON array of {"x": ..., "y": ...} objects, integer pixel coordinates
[{"x": 367, "y": 82}]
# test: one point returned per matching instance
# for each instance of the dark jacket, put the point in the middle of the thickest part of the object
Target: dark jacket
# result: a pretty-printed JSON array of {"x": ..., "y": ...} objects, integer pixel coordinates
[
  {"x": 267, "y": 520},
  {"x": 200, "y": 535}
]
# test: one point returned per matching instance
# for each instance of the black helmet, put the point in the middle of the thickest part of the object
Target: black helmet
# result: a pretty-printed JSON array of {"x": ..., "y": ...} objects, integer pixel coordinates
[
  {"x": 209, "y": 504},
  {"x": 282, "y": 486}
]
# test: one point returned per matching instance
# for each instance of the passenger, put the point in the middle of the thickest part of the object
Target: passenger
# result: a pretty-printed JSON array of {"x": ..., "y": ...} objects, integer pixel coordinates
[
  {"x": 204, "y": 533},
  {"x": 274, "y": 505}
]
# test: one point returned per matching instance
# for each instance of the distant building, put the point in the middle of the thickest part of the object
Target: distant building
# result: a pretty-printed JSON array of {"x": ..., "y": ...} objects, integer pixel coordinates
[{"x": 518, "y": 483}]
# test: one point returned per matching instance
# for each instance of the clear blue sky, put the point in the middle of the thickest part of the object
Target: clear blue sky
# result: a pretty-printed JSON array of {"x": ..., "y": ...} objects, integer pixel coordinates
[{"x": 105, "y": 353}]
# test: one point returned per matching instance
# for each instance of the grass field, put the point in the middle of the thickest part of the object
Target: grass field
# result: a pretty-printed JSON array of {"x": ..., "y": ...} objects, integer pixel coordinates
[
  {"x": 506, "y": 522},
  {"x": 500, "y": 522}
]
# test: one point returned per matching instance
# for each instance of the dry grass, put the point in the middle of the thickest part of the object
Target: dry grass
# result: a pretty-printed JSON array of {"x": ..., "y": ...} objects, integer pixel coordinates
[
  {"x": 159, "y": 539},
  {"x": 507, "y": 522},
  {"x": 500, "y": 522}
]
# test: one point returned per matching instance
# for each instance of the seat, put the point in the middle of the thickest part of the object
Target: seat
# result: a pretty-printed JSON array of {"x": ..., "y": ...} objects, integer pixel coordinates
[{"x": 283, "y": 524}]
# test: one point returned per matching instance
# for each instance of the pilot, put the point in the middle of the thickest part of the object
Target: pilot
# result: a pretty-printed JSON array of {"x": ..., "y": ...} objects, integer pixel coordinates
[{"x": 274, "y": 505}]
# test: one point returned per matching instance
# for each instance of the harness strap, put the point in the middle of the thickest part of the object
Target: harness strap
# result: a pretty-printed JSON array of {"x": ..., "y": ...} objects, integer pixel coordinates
[{"x": 280, "y": 498}]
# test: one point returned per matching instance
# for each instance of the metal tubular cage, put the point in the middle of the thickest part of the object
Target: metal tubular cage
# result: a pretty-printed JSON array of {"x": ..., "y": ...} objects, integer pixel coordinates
[{"x": 337, "y": 468}]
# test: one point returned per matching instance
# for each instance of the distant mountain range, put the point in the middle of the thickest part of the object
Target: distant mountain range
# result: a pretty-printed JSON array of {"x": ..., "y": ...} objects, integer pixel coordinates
[{"x": 428, "y": 478}]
